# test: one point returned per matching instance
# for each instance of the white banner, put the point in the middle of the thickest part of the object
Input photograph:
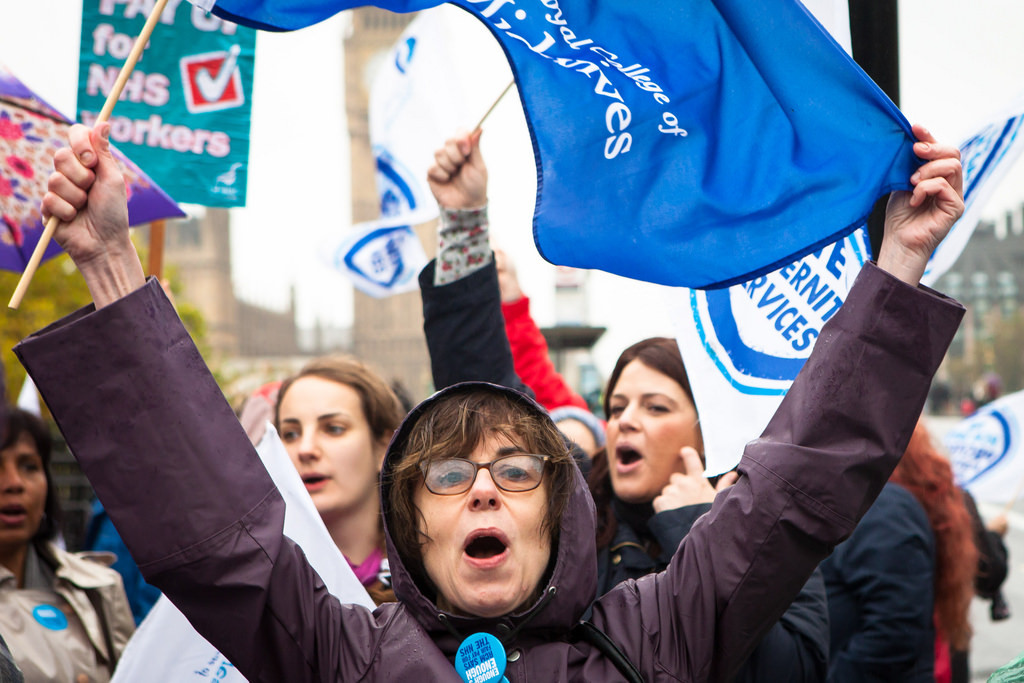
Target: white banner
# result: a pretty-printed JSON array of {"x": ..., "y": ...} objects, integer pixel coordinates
[
  {"x": 28, "y": 397},
  {"x": 986, "y": 158},
  {"x": 985, "y": 451},
  {"x": 743, "y": 346},
  {"x": 415, "y": 105},
  {"x": 166, "y": 649},
  {"x": 381, "y": 259}
]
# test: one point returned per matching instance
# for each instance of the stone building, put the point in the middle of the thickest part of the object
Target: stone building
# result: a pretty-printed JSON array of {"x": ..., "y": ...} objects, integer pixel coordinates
[
  {"x": 199, "y": 251},
  {"x": 987, "y": 354}
]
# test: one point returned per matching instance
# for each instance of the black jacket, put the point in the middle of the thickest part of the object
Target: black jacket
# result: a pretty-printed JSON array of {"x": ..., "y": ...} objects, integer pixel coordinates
[{"x": 880, "y": 585}]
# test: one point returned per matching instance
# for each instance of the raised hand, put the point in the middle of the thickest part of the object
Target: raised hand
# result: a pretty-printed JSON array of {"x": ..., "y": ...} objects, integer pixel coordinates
[
  {"x": 508, "y": 281},
  {"x": 916, "y": 221},
  {"x": 690, "y": 487},
  {"x": 458, "y": 177},
  {"x": 87, "y": 193}
]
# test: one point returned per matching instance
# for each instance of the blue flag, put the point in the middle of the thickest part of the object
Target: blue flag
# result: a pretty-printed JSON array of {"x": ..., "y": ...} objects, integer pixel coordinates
[{"x": 696, "y": 144}]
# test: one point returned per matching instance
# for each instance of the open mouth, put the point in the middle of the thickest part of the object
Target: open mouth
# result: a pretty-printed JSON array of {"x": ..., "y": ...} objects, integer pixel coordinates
[
  {"x": 314, "y": 481},
  {"x": 12, "y": 513},
  {"x": 627, "y": 456},
  {"x": 485, "y": 547}
]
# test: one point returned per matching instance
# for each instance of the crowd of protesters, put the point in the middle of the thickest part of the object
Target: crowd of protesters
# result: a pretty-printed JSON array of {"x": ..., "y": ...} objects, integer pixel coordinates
[{"x": 586, "y": 548}]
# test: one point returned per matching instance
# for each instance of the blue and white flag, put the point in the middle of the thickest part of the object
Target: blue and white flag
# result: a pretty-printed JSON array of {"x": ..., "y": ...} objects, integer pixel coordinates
[
  {"x": 695, "y": 144},
  {"x": 380, "y": 258},
  {"x": 166, "y": 649},
  {"x": 986, "y": 157},
  {"x": 415, "y": 105},
  {"x": 743, "y": 346},
  {"x": 985, "y": 450}
]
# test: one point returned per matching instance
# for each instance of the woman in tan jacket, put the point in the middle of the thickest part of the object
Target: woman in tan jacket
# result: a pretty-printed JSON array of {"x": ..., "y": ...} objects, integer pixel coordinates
[{"x": 64, "y": 616}]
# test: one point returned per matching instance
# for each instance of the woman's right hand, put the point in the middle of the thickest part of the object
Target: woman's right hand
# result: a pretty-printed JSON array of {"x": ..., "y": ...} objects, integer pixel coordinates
[
  {"x": 87, "y": 194},
  {"x": 458, "y": 178},
  {"x": 691, "y": 487}
]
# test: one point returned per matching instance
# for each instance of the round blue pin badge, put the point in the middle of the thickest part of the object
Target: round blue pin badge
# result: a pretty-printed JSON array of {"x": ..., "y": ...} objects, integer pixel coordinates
[
  {"x": 50, "y": 617},
  {"x": 481, "y": 659}
]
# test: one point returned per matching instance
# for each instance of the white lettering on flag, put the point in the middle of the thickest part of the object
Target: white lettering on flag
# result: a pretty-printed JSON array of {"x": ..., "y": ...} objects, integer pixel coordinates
[{"x": 743, "y": 346}]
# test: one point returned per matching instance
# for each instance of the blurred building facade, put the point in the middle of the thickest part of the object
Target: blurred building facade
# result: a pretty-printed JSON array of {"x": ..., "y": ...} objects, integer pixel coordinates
[
  {"x": 988, "y": 279},
  {"x": 248, "y": 344}
]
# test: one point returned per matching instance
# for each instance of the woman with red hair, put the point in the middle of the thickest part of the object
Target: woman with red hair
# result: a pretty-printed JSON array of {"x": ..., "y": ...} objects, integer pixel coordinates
[
  {"x": 900, "y": 587},
  {"x": 928, "y": 475}
]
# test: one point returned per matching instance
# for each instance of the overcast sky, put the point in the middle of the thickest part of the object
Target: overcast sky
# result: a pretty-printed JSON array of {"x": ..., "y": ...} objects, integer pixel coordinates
[{"x": 960, "y": 64}]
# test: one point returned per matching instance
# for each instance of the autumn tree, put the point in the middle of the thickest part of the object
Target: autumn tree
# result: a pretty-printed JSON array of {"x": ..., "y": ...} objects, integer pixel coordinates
[{"x": 58, "y": 289}]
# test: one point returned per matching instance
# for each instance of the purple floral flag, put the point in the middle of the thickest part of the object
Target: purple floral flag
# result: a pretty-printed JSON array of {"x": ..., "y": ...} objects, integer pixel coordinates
[{"x": 31, "y": 131}]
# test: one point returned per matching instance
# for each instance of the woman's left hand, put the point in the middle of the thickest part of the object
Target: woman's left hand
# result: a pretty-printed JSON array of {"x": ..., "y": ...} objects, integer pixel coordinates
[
  {"x": 916, "y": 221},
  {"x": 690, "y": 487}
]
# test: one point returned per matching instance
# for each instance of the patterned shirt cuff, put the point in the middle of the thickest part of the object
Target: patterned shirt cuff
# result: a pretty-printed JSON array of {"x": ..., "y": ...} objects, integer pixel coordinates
[{"x": 463, "y": 244}]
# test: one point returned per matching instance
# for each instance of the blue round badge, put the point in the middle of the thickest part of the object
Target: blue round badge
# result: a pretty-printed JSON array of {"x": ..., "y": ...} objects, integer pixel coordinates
[
  {"x": 481, "y": 659},
  {"x": 50, "y": 617}
]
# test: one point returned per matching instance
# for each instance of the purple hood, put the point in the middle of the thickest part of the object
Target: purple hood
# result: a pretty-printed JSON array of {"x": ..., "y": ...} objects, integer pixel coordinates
[{"x": 573, "y": 579}]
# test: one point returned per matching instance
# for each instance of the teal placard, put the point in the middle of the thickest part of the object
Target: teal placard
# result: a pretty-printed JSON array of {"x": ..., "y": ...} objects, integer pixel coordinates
[{"x": 184, "y": 114}]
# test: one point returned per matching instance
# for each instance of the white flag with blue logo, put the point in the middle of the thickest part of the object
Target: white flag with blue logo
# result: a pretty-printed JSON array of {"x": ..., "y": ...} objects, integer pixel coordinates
[
  {"x": 380, "y": 258},
  {"x": 743, "y": 346},
  {"x": 985, "y": 450},
  {"x": 415, "y": 105},
  {"x": 166, "y": 649},
  {"x": 986, "y": 157}
]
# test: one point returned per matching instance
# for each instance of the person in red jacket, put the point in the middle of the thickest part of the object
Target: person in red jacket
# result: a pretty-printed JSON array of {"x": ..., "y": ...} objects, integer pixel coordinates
[{"x": 533, "y": 365}]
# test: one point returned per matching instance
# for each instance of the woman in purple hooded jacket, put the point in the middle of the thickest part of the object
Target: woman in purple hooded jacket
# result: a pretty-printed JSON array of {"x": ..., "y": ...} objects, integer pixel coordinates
[{"x": 507, "y": 551}]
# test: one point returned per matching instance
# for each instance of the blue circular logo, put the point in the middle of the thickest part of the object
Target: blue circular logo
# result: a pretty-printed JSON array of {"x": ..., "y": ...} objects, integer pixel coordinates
[
  {"x": 981, "y": 443},
  {"x": 760, "y": 333},
  {"x": 50, "y": 617},
  {"x": 481, "y": 659}
]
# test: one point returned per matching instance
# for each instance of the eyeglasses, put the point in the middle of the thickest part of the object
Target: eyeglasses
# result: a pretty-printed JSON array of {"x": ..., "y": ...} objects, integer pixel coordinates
[{"x": 515, "y": 473}]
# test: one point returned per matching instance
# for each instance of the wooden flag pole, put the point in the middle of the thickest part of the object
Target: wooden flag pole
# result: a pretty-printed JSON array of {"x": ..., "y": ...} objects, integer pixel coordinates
[
  {"x": 157, "y": 230},
  {"x": 108, "y": 107},
  {"x": 495, "y": 104}
]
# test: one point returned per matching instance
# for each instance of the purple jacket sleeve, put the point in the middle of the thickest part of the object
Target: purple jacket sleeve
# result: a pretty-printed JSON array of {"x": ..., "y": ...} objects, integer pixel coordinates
[
  {"x": 806, "y": 482},
  {"x": 126, "y": 380}
]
